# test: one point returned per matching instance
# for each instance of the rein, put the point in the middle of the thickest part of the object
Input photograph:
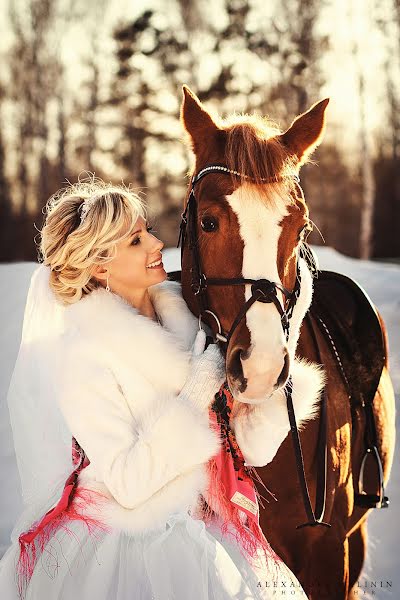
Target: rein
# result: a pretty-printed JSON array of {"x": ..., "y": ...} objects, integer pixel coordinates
[{"x": 262, "y": 290}]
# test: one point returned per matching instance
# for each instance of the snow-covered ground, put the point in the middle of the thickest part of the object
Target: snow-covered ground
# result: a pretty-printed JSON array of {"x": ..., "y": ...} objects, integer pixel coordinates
[{"x": 381, "y": 281}]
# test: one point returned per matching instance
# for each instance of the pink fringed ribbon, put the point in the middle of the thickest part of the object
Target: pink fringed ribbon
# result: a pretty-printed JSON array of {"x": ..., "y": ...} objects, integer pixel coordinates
[
  {"x": 33, "y": 542},
  {"x": 231, "y": 488}
]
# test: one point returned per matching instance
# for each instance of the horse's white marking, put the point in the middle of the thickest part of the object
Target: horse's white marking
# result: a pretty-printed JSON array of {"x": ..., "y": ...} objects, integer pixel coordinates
[
  {"x": 261, "y": 432},
  {"x": 260, "y": 229}
]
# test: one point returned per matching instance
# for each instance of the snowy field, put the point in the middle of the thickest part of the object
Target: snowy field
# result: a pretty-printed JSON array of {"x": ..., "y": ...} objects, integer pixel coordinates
[{"x": 380, "y": 280}]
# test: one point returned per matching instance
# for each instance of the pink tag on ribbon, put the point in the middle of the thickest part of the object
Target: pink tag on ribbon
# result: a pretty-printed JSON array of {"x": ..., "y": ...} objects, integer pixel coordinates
[{"x": 238, "y": 485}]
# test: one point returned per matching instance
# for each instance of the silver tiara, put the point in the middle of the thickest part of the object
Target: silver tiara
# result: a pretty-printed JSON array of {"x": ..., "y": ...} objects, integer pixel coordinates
[{"x": 85, "y": 206}]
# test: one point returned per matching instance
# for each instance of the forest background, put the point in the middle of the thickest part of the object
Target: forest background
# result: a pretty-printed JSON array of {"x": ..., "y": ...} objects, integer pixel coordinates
[{"x": 95, "y": 87}]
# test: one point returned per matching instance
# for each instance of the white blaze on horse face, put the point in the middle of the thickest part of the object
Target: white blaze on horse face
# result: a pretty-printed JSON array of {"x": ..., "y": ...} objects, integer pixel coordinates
[{"x": 260, "y": 230}]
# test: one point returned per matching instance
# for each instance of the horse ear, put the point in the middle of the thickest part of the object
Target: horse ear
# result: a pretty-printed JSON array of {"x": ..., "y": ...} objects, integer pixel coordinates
[
  {"x": 196, "y": 120},
  {"x": 306, "y": 131}
]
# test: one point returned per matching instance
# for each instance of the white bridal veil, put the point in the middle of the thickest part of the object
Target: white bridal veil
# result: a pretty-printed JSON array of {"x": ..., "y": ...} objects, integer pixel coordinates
[{"x": 41, "y": 437}]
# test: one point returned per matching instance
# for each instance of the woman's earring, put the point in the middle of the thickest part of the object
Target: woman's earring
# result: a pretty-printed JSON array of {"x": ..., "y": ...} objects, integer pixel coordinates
[{"x": 107, "y": 287}]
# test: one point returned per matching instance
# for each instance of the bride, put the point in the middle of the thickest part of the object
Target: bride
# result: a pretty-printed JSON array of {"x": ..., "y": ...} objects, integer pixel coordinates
[{"x": 112, "y": 362}]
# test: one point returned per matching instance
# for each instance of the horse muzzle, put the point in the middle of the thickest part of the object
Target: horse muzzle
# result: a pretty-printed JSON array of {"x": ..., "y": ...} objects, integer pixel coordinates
[{"x": 253, "y": 378}]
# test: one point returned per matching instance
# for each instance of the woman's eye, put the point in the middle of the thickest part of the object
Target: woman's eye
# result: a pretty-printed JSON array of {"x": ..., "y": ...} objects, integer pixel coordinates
[
  {"x": 209, "y": 224},
  {"x": 136, "y": 241}
]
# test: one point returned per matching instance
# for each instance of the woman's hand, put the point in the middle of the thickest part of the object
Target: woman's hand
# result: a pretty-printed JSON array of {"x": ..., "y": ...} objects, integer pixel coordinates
[{"x": 207, "y": 373}]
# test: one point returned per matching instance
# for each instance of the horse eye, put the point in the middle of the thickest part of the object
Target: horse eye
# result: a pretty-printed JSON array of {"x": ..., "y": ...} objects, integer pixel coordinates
[{"x": 209, "y": 224}]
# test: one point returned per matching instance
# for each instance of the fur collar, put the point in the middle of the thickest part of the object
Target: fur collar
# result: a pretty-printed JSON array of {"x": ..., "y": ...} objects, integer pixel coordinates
[
  {"x": 103, "y": 322},
  {"x": 167, "y": 301}
]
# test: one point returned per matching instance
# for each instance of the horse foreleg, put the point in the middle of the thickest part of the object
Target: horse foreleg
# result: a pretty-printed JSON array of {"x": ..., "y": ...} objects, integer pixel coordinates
[
  {"x": 327, "y": 576},
  {"x": 357, "y": 551}
]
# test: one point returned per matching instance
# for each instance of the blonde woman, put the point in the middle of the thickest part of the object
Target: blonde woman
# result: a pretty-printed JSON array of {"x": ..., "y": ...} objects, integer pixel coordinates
[{"x": 111, "y": 360}]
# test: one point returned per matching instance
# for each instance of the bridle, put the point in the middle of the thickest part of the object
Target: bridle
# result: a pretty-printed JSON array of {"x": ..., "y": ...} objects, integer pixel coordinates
[{"x": 262, "y": 290}]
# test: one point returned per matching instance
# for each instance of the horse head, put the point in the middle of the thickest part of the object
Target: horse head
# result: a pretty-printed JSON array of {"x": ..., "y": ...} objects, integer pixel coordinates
[{"x": 244, "y": 223}]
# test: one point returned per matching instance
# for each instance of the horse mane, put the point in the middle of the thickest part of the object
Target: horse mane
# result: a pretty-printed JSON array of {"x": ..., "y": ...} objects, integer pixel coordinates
[{"x": 253, "y": 148}]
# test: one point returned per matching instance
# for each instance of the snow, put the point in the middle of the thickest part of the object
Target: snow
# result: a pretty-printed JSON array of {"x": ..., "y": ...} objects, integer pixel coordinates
[{"x": 382, "y": 283}]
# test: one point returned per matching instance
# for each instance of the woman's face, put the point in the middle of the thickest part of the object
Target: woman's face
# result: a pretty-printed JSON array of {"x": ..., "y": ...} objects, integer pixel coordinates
[{"x": 138, "y": 262}]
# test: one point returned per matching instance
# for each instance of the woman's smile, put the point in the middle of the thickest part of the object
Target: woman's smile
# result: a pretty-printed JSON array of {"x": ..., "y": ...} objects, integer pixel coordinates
[{"x": 158, "y": 264}]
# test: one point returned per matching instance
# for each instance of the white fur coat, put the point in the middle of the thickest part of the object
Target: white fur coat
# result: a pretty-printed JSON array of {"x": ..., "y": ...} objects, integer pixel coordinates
[
  {"x": 119, "y": 395},
  {"x": 123, "y": 372}
]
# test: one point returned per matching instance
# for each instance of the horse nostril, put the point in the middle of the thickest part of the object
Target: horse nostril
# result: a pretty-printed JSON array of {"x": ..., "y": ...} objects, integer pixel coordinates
[
  {"x": 235, "y": 363},
  {"x": 285, "y": 372},
  {"x": 235, "y": 368}
]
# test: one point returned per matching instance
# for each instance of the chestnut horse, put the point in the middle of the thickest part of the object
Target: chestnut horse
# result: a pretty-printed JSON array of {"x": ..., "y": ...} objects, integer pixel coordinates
[{"x": 242, "y": 271}]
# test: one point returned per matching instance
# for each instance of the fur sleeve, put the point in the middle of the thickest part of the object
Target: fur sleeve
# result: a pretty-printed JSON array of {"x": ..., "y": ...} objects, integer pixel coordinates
[
  {"x": 261, "y": 429},
  {"x": 134, "y": 460}
]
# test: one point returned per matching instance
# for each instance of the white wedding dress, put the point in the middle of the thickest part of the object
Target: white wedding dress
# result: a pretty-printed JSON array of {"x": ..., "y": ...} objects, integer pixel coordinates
[{"x": 185, "y": 561}]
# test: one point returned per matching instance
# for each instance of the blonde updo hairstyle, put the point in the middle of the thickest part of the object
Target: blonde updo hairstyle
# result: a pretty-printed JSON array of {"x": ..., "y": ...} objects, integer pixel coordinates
[{"x": 72, "y": 248}]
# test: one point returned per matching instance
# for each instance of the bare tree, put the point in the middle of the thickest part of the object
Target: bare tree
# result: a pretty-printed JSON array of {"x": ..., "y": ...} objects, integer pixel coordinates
[
  {"x": 36, "y": 87},
  {"x": 34, "y": 68},
  {"x": 86, "y": 107},
  {"x": 389, "y": 23},
  {"x": 366, "y": 165},
  {"x": 6, "y": 214},
  {"x": 387, "y": 161},
  {"x": 299, "y": 49}
]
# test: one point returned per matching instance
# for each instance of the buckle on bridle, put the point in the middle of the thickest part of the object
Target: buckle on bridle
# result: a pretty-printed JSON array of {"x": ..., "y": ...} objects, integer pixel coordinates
[
  {"x": 200, "y": 285},
  {"x": 219, "y": 335},
  {"x": 267, "y": 289},
  {"x": 182, "y": 228}
]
